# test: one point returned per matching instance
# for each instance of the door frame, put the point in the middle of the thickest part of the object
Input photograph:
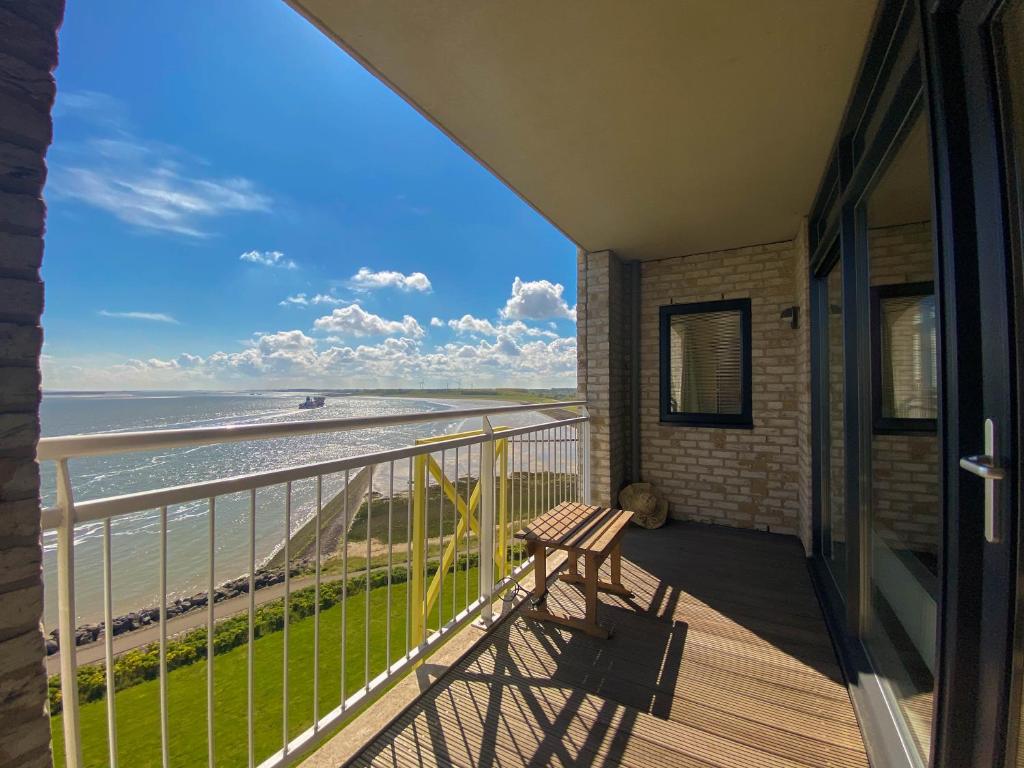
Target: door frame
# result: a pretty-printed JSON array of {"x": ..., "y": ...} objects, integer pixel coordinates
[{"x": 973, "y": 170}]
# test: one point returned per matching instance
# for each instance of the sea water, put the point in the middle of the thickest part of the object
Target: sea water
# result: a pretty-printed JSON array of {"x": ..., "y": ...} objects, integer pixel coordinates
[{"x": 135, "y": 539}]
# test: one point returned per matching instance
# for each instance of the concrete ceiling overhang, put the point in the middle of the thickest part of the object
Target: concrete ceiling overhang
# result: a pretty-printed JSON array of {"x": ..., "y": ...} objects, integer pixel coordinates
[{"x": 654, "y": 128}]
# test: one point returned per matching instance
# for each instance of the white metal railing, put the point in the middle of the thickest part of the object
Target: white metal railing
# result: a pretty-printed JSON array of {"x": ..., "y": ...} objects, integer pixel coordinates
[{"x": 520, "y": 471}]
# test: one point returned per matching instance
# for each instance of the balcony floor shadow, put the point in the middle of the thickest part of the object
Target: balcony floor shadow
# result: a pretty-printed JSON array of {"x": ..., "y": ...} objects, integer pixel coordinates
[{"x": 722, "y": 659}]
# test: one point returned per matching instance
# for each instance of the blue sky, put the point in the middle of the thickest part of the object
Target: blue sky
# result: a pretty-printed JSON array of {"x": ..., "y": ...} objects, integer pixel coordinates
[{"x": 234, "y": 202}]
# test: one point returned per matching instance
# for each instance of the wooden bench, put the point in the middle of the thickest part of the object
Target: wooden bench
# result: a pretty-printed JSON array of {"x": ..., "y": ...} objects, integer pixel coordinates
[{"x": 579, "y": 529}]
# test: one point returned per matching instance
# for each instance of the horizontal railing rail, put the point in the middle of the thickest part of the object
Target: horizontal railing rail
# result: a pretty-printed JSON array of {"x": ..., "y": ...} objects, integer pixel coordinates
[
  {"x": 105, "y": 443},
  {"x": 433, "y": 512},
  {"x": 115, "y": 506}
]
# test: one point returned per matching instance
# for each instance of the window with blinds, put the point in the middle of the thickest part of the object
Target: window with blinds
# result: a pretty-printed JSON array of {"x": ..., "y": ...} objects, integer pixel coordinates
[
  {"x": 905, "y": 363},
  {"x": 706, "y": 363}
]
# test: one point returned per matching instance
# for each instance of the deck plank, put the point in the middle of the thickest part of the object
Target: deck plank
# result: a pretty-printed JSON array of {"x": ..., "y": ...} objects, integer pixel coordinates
[{"x": 722, "y": 660}]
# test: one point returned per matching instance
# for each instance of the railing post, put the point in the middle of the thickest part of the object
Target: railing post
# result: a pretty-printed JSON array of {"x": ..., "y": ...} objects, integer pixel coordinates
[
  {"x": 417, "y": 589},
  {"x": 487, "y": 523},
  {"x": 584, "y": 448},
  {"x": 66, "y": 617},
  {"x": 502, "y": 511}
]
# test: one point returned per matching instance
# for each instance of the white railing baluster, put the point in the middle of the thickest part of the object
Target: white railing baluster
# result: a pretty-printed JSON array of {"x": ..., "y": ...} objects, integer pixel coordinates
[
  {"x": 287, "y": 614},
  {"x": 585, "y": 427},
  {"x": 210, "y": 600},
  {"x": 366, "y": 587},
  {"x": 469, "y": 472},
  {"x": 108, "y": 647},
  {"x": 531, "y": 489},
  {"x": 316, "y": 608},
  {"x": 408, "y": 561},
  {"x": 567, "y": 462},
  {"x": 165, "y": 753},
  {"x": 487, "y": 523},
  {"x": 250, "y": 673},
  {"x": 510, "y": 502},
  {"x": 344, "y": 589},
  {"x": 426, "y": 558},
  {"x": 391, "y": 564},
  {"x": 66, "y": 618},
  {"x": 455, "y": 536},
  {"x": 440, "y": 546}
]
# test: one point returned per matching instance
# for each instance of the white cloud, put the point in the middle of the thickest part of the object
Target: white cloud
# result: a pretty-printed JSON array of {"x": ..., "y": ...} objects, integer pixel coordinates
[
  {"x": 158, "y": 317},
  {"x": 268, "y": 259},
  {"x": 146, "y": 184},
  {"x": 537, "y": 300},
  {"x": 467, "y": 324},
  {"x": 437, "y": 322},
  {"x": 367, "y": 280},
  {"x": 302, "y": 300},
  {"x": 353, "y": 320},
  {"x": 292, "y": 358}
]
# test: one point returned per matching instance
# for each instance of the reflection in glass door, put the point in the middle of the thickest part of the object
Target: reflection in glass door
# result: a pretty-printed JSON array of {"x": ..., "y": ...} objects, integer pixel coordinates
[
  {"x": 835, "y": 463},
  {"x": 904, "y": 528}
]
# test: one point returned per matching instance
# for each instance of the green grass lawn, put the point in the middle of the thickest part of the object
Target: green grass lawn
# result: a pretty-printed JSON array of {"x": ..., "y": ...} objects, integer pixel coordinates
[{"x": 138, "y": 707}]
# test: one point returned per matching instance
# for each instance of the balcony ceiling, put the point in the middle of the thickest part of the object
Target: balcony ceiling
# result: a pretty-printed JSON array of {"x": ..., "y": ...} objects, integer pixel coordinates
[{"x": 655, "y": 129}]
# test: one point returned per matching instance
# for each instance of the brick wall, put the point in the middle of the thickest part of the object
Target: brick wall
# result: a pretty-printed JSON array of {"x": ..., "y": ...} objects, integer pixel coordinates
[
  {"x": 603, "y": 377},
  {"x": 905, "y": 468},
  {"x": 747, "y": 478},
  {"x": 28, "y": 54}
]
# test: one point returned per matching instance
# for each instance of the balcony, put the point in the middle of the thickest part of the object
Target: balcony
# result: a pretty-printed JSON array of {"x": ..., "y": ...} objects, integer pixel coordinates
[{"x": 721, "y": 658}]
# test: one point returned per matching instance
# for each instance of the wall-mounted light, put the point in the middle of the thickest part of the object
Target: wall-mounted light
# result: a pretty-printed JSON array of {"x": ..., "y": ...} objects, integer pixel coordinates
[{"x": 793, "y": 315}]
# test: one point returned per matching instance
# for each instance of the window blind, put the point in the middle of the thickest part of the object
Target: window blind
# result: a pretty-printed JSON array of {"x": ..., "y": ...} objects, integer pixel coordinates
[
  {"x": 707, "y": 363},
  {"x": 909, "y": 376}
]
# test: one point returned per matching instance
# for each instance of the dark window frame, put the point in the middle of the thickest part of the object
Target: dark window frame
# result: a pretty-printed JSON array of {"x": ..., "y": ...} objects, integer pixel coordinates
[
  {"x": 890, "y": 425},
  {"x": 742, "y": 420}
]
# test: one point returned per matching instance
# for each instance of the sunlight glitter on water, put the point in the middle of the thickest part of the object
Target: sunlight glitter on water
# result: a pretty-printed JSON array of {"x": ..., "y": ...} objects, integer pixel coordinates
[{"x": 136, "y": 538}]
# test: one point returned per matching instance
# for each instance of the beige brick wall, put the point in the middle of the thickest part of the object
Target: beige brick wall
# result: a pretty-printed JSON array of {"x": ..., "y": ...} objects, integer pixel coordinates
[
  {"x": 28, "y": 54},
  {"x": 747, "y": 478},
  {"x": 603, "y": 378},
  {"x": 905, "y": 468}
]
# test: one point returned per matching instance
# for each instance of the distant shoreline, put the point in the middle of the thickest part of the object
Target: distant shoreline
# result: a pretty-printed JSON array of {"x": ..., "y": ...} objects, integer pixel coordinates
[{"x": 514, "y": 394}]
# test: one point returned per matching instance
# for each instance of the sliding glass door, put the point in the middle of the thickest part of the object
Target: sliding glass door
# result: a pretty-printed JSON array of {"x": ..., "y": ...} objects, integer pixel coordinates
[
  {"x": 901, "y": 563},
  {"x": 917, "y": 239}
]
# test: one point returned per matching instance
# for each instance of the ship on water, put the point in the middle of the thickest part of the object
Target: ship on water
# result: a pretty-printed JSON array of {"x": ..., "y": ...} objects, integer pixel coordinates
[{"x": 313, "y": 402}]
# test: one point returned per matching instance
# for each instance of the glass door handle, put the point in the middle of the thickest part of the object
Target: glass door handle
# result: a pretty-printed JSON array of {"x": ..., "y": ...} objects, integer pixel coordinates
[
  {"x": 987, "y": 468},
  {"x": 983, "y": 467}
]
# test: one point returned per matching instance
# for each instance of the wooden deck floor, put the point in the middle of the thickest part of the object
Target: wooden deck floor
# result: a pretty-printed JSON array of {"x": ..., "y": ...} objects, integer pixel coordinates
[{"x": 721, "y": 660}]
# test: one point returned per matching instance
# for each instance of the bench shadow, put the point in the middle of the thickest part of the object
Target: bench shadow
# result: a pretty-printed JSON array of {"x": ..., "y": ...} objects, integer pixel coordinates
[{"x": 535, "y": 693}]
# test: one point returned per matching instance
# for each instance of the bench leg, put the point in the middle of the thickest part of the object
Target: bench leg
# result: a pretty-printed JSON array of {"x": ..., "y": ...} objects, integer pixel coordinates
[
  {"x": 539, "y": 611},
  {"x": 613, "y": 587},
  {"x": 616, "y": 586},
  {"x": 540, "y": 572},
  {"x": 590, "y": 589}
]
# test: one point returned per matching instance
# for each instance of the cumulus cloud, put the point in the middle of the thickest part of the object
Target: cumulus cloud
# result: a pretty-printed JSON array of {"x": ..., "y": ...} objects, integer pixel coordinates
[
  {"x": 268, "y": 259},
  {"x": 437, "y": 322},
  {"x": 353, "y": 320},
  {"x": 467, "y": 324},
  {"x": 157, "y": 317},
  {"x": 537, "y": 300},
  {"x": 366, "y": 280},
  {"x": 288, "y": 358}
]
